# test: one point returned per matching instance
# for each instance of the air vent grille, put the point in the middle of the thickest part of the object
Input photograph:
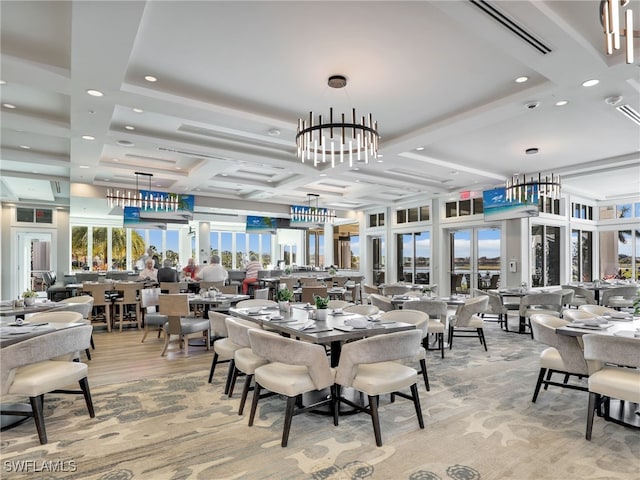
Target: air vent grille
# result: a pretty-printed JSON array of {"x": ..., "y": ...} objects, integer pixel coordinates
[
  {"x": 630, "y": 113},
  {"x": 512, "y": 26}
]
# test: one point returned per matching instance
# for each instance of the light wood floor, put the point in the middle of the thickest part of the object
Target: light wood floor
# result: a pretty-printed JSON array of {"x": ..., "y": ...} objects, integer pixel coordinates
[{"x": 121, "y": 357}]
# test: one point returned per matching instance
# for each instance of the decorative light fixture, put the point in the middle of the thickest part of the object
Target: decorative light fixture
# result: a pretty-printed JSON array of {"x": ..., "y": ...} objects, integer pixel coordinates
[
  {"x": 312, "y": 213},
  {"x": 337, "y": 141},
  {"x": 526, "y": 191},
  {"x": 610, "y": 18},
  {"x": 143, "y": 199}
]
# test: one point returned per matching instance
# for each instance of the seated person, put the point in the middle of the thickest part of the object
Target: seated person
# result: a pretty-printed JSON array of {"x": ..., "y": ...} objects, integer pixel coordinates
[
  {"x": 190, "y": 269},
  {"x": 214, "y": 272},
  {"x": 252, "y": 269},
  {"x": 149, "y": 272},
  {"x": 166, "y": 273}
]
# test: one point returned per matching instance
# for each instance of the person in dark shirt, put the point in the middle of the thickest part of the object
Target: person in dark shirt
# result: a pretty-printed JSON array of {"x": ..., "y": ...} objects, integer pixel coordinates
[{"x": 166, "y": 273}]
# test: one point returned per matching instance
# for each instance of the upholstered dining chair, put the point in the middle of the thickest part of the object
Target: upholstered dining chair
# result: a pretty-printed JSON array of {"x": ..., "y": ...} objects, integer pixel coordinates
[
  {"x": 421, "y": 321},
  {"x": 339, "y": 304},
  {"x": 261, "y": 294},
  {"x": 28, "y": 370},
  {"x": 256, "y": 302},
  {"x": 295, "y": 367},
  {"x": 354, "y": 294},
  {"x": 391, "y": 290},
  {"x": 494, "y": 307},
  {"x": 381, "y": 301},
  {"x": 84, "y": 305},
  {"x": 581, "y": 296},
  {"x": 150, "y": 302},
  {"x": 309, "y": 293},
  {"x": 244, "y": 360},
  {"x": 368, "y": 290},
  {"x": 223, "y": 347},
  {"x": 371, "y": 366},
  {"x": 614, "y": 367},
  {"x": 467, "y": 320},
  {"x": 176, "y": 308},
  {"x": 564, "y": 355},
  {"x": 365, "y": 310},
  {"x": 619, "y": 297},
  {"x": 597, "y": 309},
  {"x": 229, "y": 289},
  {"x": 549, "y": 303},
  {"x": 130, "y": 298},
  {"x": 437, "y": 312},
  {"x": 173, "y": 287}
]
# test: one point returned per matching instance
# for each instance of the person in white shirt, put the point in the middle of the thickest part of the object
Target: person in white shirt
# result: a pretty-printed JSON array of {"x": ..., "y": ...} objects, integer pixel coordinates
[
  {"x": 214, "y": 272},
  {"x": 149, "y": 272}
]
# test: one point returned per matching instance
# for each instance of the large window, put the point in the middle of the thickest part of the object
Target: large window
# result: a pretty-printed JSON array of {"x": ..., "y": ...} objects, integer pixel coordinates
[
  {"x": 80, "y": 248},
  {"x": 315, "y": 248},
  {"x": 545, "y": 259},
  {"x": 581, "y": 256},
  {"x": 378, "y": 259},
  {"x": 414, "y": 256}
]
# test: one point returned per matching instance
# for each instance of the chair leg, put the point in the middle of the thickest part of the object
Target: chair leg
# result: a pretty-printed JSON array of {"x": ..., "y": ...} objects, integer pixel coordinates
[
  {"x": 416, "y": 403},
  {"x": 538, "y": 384},
  {"x": 288, "y": 416},
  {"x": 88, "y": 352},
  {"x": 425, "y": 376},
  {"x": 37, "y": 407},
  {"x": 84, "y": 385},
  {"x": 245, "y": 392},
  {"x": 93, "y": 345},
  {"x": 594, "y": 400},
  {"x": 450, "y": 337},
  {"x": 166, "y": 344},
  {"x": 146, "y": 332},
  {"x": 214, "y": 362},
  {"x": 549, "y": 373},
  {"x": 483, "y": 341},
  {"x": 254, "y": 403},
  {"x": 335, "y": 404},
  {"x": 375, "y": 419},
  {"x": 232, "y": 366},
  {"x": 234, "y": 378},
  {"x": 441, "y": 344}
]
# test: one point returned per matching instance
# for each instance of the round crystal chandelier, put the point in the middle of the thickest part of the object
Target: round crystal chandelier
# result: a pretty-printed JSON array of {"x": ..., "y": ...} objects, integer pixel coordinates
[{"x": 338, "y": 140}]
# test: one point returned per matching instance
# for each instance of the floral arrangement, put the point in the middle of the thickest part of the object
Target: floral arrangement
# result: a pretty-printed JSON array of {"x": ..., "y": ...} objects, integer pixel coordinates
[
  {"x": 322, "y": 303},
  {"x": 29, "y": 294},
  {"x": 284, "y": 295},
  {"x": 332, "y": 271}
]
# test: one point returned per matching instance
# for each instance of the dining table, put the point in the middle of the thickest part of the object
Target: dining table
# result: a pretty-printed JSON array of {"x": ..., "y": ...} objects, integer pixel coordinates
[
  {"x": 339, "y": 327},
  {"x": 401, "y": 301},
  {"x": 9, "y": 309}
]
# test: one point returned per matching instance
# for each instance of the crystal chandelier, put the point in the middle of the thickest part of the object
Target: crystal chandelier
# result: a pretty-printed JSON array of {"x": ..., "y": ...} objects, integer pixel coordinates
[
  {"x": 143, "y": 199},
  {"x": 337, "y": 141},
  {"x": 611, "y": 13},
  {"x": 524, "y": 190}
]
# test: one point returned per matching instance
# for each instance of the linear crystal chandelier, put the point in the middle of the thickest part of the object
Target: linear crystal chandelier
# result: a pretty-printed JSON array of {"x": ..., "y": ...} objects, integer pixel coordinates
[
  {"x": 524, "y": 190},
  {"x": 338, "y": 140},
  {"x": 312, "y": 213},
  {"x": 143, "y": 199},
  {"x": 611, "y": 15}
]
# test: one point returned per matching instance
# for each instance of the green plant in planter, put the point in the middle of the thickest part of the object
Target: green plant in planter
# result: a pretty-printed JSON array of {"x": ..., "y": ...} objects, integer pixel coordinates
[
  {"x": 332, "y": 271},
  {"x": 284, "y": 295},
  {"x": 322, "y": 303},
  {"x": 287, "y": 271},
  {"x": 636, "y": 305},
  {"x": 29, "y": 294}
]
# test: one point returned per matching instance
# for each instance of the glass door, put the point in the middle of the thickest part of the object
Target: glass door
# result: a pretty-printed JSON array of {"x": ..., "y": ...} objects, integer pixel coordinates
[
  {"x": 475, "y": 259},
  {"x": 378, "y": 260}
]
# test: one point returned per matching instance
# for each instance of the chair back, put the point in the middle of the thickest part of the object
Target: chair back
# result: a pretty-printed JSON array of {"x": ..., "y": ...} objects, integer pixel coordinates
[
  {"x": 38, "y": 349},
  {"x": 391, "y": 290},
  {"x": 218, "y": 324},
  {"x": 150, "y": 297},
  {"x": 256, "y": 303},
  {"x": 239, "y": 331},
  {"x": 548, "y": 301},
  {"x": 117, "y": 275},
  {"x": 544, "y": 330},
  {"x": 237, "y": 275},
  {"x": 567, "y": 295},
  {"x": 383, "y": 303},
  {"x": 380, "y": 348},
  {"x": 229, "y": 289},
  {"x": 98, "y": 292},
  {"x": 57, "y": 316},
  {"x": 596, "y": 309},
  {"x": 433, "y": 308},
  {"x": 82, "y": 277},
  {"x": 365, "y": 310},
  {"x": 290, "y": 282},
  {"x": 627, "y": 293},
  {"x": 610, "y": 349},
  {"x": 261, "y": 293},
  {"x": 339, "y": 304},
  {"x": 83, "y": 308},
  {"x": 368, "y": 289},
  {"x": 308, "y": 293},
  {"x": 174, "y": 305},
  {"x": 580, "y": 292},
  {"x": 495, "y": 305},
  {"x": 414, "y": 317},
  {"x": 173, "y": 287},
  {"x": 355, "y": 293},
  {"x": 275, "y": 348},
  {"x": 338, "y": 281},
  {"x": 310, "y": 281},
  {"x": 571, "y": 315},
  {"x": 470, "y": 307},
  {"x": 208, "y": 285},
  {"x": 130, "y": 291}
]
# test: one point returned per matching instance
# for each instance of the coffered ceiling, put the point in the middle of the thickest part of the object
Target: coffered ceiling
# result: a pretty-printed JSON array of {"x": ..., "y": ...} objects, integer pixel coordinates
[{"x": 234, "y": 77}]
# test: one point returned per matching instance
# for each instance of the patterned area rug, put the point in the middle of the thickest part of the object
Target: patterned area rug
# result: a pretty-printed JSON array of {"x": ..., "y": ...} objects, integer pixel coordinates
[{"x": 480, "y": 424}]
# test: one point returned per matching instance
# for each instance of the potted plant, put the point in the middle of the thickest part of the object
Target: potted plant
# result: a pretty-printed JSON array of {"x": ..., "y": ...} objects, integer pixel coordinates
[
  {"x": 332, "y": 271},
  {"x": 287, "y": 271},
  {"x": 284, "y": 296},
  {"x": 29, "y": 297},
  {"x": 322, "y": 303}
]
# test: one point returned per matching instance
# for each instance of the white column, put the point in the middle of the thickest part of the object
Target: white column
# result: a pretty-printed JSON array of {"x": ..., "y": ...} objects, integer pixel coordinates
[
  {"x": 204, "y": 230},
  {"x": 328, "y": 245}
]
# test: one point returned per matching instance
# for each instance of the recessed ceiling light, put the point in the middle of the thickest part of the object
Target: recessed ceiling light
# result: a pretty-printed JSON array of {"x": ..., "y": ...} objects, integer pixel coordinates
[
  {"x": 138, "y": 110},
  {"x": 521, "y": 79},
  {"x": 88, "y": 137},
  {"x": 590, "y": 83},
  {"x": 107, "y": 180},
  {"x": 8, "y": 105},
  {"x": 269, "y": 181},
  {"x": 84, "y": 166},
  {"x": 95, "y": 93},
  {"x": 26, "y": 147},
  {"x": 613, "y": 100},
  {"x": 561, "y": 103},
  {"x": 2, "y": 82},
  {"x": 357, "y": 180},
  {"x": 355, "y": 169},
  {"x": 34, "y": 171},
  {"x": 125, "y": 143},
  {"x": 531, "y": 151},
  {"x": 322, "y": 174},
  {"x": 420, "y": 149},
  {"x": 274, "y": 132},
  {"x": 379, "y": 160},
  {"x": 224, "y": 174},
  {"x": 150, "y": 78},
  {"x": 129, "y": 127},
  {"x": 178, "y": 168}
]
